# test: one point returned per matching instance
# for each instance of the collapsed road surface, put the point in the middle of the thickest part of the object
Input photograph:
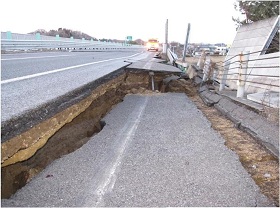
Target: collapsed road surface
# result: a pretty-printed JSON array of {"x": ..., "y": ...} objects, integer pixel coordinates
[
  {"x": 35, "y": 138},
  {"x": 151, "y": 150},
  {"x": 154, "y": 150}
]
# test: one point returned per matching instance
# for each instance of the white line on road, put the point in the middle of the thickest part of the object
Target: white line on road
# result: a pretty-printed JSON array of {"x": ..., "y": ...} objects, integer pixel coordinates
[
  {"x": 62, "y": 69},
  {"x": 124, "y": 136},
  {"x": 33, "y": 57},
  {"x": 148, "y": 65}
]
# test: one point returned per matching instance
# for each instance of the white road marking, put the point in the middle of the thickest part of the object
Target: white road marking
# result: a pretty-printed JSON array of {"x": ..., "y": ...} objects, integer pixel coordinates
[
  {"x": 59, "y": 70},
  {"x": 33, "y": 57},
  {"x": 126, "y": 133},
  {"x": 148, "y": 65}
]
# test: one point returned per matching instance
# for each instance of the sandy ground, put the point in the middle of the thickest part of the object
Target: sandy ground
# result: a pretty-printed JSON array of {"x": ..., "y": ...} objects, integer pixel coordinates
[{"x": 216, "y": 59}]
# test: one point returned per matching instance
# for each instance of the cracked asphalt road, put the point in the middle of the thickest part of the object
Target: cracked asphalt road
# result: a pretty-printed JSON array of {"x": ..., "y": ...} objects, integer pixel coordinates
[{"x": 155, "y": 150}]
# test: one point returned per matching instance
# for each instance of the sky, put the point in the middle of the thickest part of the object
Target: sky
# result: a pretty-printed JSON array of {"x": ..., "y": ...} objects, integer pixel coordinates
[{"x": 210, "y": 20}]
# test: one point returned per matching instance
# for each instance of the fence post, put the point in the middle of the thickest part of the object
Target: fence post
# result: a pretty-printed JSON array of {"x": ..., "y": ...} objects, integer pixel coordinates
[
  {"x": 201, "y": 60},
  {"x": 206, "y": 69},
  {"x": 215, "y": 72},
  {"x": 224, "y": 76},
  {"x": 242, "y": 71}
]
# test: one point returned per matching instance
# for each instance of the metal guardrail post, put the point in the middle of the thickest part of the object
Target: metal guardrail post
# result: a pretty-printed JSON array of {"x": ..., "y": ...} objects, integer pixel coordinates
[{"x": 242, "y": 71}]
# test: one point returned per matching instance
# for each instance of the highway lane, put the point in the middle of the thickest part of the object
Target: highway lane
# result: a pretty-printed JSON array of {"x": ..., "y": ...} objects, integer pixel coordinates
[
  {"x": 30, "y": 80},
  {"x": 23, "y": 64}
]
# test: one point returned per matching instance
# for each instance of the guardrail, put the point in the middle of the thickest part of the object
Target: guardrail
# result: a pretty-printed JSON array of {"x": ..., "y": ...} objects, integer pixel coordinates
[
  {"x": 249, "y": 76},
  {"x": 172, "y": 56},
  {"x": 29, "y": 42}
]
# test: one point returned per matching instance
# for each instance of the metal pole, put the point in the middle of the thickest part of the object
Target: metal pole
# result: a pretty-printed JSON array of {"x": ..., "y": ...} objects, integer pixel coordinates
[
  {"x": 166, "y": 34},
  {"x": 152, "y": 77},
  {"x": 165, "y": 45},
  {"x": 186, "y": 43}
]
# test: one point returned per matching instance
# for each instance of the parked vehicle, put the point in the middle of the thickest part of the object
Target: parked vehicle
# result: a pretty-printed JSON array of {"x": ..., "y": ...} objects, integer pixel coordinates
[
  {"x": 198, "y": 51},
  {"x": 221, "y": 51},
  {"x": 152, "y": 44}
]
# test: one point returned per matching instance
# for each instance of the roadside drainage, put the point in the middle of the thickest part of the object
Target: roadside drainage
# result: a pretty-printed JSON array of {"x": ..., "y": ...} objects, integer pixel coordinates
[{"x": 26, "y": 154}]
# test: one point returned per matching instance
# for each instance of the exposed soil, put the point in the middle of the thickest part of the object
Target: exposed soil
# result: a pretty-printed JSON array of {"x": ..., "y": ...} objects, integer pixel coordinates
[{"x": 69, "y": 133}]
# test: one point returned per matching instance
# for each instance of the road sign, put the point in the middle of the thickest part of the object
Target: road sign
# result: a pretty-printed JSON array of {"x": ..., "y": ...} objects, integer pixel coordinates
[{"x": 129, "y": 38}]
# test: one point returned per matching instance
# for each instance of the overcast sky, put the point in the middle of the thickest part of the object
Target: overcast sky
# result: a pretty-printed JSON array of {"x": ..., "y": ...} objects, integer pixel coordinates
[{"x": 211, "y": 20}]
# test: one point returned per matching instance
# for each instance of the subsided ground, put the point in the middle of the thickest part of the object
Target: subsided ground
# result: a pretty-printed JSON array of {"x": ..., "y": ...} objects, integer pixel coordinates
[{"x": 263, "y": 166}]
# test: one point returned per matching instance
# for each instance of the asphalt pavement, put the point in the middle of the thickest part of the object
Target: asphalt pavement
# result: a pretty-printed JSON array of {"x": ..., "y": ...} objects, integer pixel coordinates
[
  {"x": 35, "y": 86},
  {"x": 30, "y": 80},
  {"x": 155, "y": 150},
  {"x": 23, "y": 64}
]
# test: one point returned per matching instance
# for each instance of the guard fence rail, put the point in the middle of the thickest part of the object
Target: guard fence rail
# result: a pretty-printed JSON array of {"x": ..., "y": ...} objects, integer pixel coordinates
[
  {"x": 261, "y": 72},
  {"x": 31, "y": 42}
]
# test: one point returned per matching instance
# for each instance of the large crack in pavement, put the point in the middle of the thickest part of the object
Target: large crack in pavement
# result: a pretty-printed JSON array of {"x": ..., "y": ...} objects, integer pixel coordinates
[
  {"x": 260, "y": 163},
  {"x": 28, "y": 153}
]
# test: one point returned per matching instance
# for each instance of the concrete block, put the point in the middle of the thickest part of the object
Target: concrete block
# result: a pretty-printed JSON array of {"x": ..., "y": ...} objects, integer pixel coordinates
[
  {"x": 203, "y": 88},
  {"x": 252, "y": 123},
  {"x": 227, "y": 105},
  {"x": 209, "y": 98}
]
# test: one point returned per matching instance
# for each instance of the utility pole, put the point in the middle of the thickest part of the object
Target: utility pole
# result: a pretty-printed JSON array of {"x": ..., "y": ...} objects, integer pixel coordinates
[
  {"x": 165, "y": 45},
  {"x": 186, "y": 43}
]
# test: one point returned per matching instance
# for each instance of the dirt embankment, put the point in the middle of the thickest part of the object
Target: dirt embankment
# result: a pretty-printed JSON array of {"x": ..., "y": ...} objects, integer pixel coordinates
[{"x": 27, "y": 154}]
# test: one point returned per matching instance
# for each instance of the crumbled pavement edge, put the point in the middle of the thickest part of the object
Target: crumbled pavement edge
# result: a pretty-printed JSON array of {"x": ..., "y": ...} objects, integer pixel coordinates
[{"x": 247, "y": 120}]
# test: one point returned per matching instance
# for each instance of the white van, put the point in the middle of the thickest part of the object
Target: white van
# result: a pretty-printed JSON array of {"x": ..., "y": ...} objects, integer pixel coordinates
[{"x": 221, "y": 51}]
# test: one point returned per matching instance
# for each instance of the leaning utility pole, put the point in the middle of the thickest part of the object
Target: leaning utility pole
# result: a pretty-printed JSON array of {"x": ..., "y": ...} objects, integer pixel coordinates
[
  {"x": 165, "y": 45},
  {"x": 186, "y": 43}
]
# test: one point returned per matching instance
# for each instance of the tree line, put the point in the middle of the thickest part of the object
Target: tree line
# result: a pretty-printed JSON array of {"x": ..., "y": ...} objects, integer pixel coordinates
[
  {"x": 258, "y": 10},
  {"x": 65, "y": 33}
]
